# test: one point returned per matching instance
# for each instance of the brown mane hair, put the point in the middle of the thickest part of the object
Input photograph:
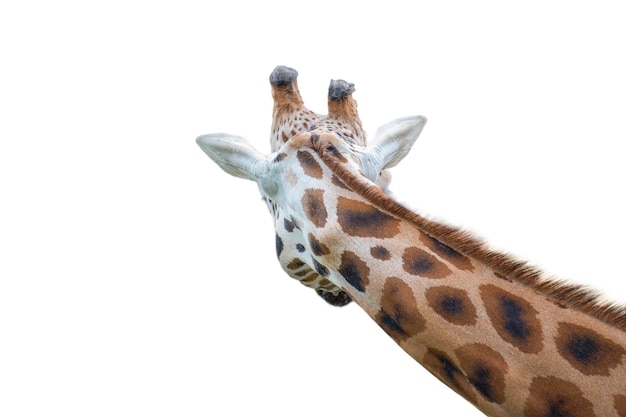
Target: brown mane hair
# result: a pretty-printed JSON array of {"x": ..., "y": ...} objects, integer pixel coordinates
[{"x": 576, "y": 297}]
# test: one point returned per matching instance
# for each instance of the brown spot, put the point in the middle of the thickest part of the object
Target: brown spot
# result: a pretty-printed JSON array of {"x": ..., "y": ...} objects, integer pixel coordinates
[
  {"x": 588, "y": 351},
  {"x": 317, "y": 247},
  {"x": 310, "y": 279},
  {"x": 514, "y": 318},
  {"x": 324, "y": 282},
  {"x": 354, "y": 270},
  {"x": 295, "y": 263},
  {"x": 551, "y": 396},
  {"x": 279, "y": 246},
  {"x": 285, "y": 137},
  {"x": 620, "y": 404},
  {"x": 440, "y": 365},
  {"x": 447, "y": 253},
  {"x": 321, "y": 269},
  {"x": 416, "y": 261},
  {"x": 310, "y": 165},
  {"x": 452, "y": 304},
  {"x": 289, "y": 225},
  {"x": 337, "y": 298},
  {"x": 380, "y": 252},
  {"x": 398, "y": 315},
  {"x": 364, "y": 220},
  {"x": 486, "y": 369},
  {"x": 335, "y": 180},
  {"x": 313, "y": 206}
]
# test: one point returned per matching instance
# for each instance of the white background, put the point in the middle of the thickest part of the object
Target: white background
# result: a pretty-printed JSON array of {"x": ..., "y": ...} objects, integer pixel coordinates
[{"x": 138, "y": 279}]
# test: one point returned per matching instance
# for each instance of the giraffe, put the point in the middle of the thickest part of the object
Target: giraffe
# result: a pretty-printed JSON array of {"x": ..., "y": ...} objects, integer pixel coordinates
[{"x": 491, "y": 328}]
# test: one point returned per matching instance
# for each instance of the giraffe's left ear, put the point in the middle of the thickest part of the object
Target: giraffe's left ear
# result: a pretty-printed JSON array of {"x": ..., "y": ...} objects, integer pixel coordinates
[
  {"x": 234, "y": 155},
  {"x": 391, "y": 144}
]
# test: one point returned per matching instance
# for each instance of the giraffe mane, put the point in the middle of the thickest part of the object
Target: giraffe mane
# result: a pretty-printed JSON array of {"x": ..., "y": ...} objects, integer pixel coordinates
[{"x": 566, "y": 295}]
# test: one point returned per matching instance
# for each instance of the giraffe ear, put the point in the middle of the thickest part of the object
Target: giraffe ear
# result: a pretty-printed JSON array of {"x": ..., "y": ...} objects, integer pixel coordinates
[
  {"x": 394, "y": 140},
  {"x": 390, "y": 145},
  {"x": 234, "y": 155}
]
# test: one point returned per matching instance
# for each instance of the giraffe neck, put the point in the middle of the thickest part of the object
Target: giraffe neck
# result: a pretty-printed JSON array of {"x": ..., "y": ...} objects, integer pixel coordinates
[{"x": 487, "y": 330}]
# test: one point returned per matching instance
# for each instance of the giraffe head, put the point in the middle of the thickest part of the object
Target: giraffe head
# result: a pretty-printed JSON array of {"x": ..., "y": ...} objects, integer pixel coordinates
[{"x": 288, "y": 174}]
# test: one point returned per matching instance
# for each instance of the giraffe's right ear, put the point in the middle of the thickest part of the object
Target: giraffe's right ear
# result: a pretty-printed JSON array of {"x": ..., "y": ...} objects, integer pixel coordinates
[
  {"x": 234, "y": 155},
  {"x": 394, "y": 140}
]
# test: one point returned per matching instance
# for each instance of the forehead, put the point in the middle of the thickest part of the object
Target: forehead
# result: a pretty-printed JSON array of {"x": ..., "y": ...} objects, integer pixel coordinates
[{"x": 307, "y": 155}]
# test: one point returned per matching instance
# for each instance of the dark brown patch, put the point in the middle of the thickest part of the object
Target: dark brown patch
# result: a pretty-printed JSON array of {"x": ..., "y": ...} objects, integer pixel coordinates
[
  {"x": 289, "y": 225},
  {"x": 453, "y": 304},
  {"x": 354, "y": 270},
  {"x": 279, "y": 245},
  {"x": 418, "y": 262},
  {"x": 310, "y": 165},
  {"x": 311, "y": 278},
  {"x": 555, "y": 397},
  {"x": 486, "y": 370},
  {"x": 514, "y": 318},
  {"x": 380, "y": 252},
  {"x": 338, "y": 299},
  {"x": 317, "y": 247},
  {"x": 313, "y": 206},
  {"x": 440, "y": 365},
  {"x": 620, "y": 404},
  {"x": 335, "y": 180},
  {"x": 295, "y": 263},
  {"x": 588, "y": 351},
  {"x": 447, "y": 253},
  {"x": 321, "y": 269},
  {"x": 398, "y": 315},
  {"x": 360, "y": 219},
  {"x": 325, "y": 283}
]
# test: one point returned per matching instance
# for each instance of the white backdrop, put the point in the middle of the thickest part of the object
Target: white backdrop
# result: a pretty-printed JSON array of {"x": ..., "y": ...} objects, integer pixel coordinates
[{"x": 138, "y": 279}]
